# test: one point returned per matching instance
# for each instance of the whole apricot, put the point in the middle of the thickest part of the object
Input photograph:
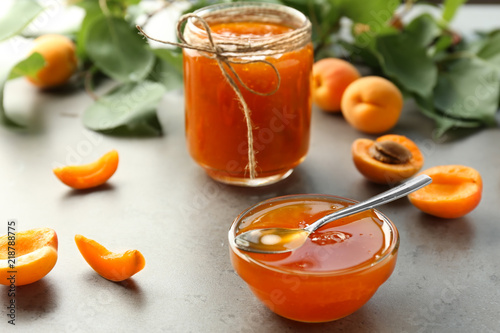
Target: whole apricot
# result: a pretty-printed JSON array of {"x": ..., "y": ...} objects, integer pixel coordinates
[
  {"x": 60, "y": 60},
  {"x": 387, "y": 160},
  {"x": 331, "y": 76},
  {"x": 372, "y": 104},
  {"x": 454, "y": 192}
]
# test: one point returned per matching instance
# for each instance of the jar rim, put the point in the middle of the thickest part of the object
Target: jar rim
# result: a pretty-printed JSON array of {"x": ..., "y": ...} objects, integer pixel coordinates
[
  {"x": 389, "y": 251},
  {"x": 228, "y": 9}
]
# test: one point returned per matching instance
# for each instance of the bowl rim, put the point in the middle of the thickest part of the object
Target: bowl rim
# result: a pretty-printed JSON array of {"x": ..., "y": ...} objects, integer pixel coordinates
[{"x": 391, "y": 249}]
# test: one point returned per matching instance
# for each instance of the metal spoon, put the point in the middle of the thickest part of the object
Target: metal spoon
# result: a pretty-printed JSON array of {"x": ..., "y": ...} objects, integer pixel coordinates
[{"x": 280, "y": 240}]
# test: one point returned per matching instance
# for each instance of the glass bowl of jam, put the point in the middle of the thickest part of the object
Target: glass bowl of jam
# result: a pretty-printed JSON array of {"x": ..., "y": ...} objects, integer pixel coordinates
[{"x": 337, "y": 270}]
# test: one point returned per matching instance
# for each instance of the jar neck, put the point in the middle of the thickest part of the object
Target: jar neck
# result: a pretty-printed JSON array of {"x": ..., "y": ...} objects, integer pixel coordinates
[{"x": 265, "y": 13}]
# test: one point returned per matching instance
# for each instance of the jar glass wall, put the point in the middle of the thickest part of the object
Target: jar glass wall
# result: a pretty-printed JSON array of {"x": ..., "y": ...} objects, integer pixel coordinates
[{"x": 216, "y": 128}]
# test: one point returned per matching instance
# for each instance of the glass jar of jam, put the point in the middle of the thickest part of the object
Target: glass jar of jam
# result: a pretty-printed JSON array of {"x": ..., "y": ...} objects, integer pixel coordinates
[{"x": 279, "y": 113}]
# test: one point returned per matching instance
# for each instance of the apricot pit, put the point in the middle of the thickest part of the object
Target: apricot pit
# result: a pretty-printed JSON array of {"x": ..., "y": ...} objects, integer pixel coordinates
[{"x": 390, "y": 152}]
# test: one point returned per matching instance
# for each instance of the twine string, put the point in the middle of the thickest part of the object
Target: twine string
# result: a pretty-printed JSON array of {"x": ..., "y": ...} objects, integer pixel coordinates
[{"x": 226, "y": 54}]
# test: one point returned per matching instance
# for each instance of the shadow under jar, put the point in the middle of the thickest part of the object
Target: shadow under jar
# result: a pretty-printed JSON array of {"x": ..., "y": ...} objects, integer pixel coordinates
[{"x": 216, "y": 126}]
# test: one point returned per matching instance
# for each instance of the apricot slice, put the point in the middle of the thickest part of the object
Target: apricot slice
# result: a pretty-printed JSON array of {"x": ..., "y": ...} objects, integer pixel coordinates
[
  {"x": 390, "y": 169},
  {"x": 89, "y": 175},
  {"x": 35, "y": 254},
  {"x": 454, "y": 192},
  {"x": 110, "y": 265}
]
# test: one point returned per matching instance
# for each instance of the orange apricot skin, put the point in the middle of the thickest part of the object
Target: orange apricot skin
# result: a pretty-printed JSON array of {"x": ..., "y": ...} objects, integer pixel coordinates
[
  {"x": 372, "y": 104},
  {"x": 455, "y": 191},
  {"x": 110, "y": 265},
  {"x": 331, "y": 76},
  {"x": 384, "y": 173},
  {"x": 59, "y": 53},
  {"x": 36, "y": 256},
  {"x": 89, "y": 175}
]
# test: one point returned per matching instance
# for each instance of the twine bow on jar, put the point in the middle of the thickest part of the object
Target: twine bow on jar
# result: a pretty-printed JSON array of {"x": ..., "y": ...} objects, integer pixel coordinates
[{"x": 227, "y": 53}]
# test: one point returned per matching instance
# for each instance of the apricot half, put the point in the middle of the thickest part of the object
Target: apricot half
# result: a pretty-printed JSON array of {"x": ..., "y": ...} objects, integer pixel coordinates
[
  {"x": 382, "y": 164},
  {"x": 110, "y": 265},
  {"x": 455, "y": 191},
  {"x": 89, "y": 175},
  {"x": 27, "y": 256}
]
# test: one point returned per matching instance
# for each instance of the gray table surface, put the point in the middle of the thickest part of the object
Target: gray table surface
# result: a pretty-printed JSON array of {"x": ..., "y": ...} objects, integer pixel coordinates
[{"x": 447, "y": 278}]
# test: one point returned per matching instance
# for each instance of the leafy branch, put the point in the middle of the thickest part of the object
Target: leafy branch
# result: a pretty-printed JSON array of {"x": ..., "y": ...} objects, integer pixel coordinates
[
  {"x": 107, "y": 45},
  {"x": 453, "y": 81}
]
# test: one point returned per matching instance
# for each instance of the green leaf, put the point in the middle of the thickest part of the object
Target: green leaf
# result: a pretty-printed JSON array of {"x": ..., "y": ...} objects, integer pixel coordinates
[
  {"x": 118, "y": 50},
  {"x": 92, "y": 13},
  {"x": 129, "y": 109},
  {"x": 367, "y": 40},
  {"x": 363, "y": 54},
  {"x": 490, "y": 49},
  {"x": 168, "y": 68},
  {"x": 469, "y": 90},
  {"x": 375, "y": 13},
  {"x": 437, "y": 51},
  {"x": 18, "y": 17},
  {"x": 450, "y": 8},
  {"x": 323, "y": 14},
  {"x": 195, "y": 5},
  {"x": 443, "y": 122},
  {"x": 423, "y": 30},
  {"x": 27, "y": 66},
  {"x": 131, "y": 2},
  {"x": 405, "y": 61},
  {"x": 116, "y": 8}
]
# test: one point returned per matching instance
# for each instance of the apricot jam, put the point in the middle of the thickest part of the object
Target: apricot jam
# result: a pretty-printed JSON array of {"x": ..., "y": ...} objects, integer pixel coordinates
[
  {"x": 336, "y": 271},
  {"x": 216, "y": 130}
]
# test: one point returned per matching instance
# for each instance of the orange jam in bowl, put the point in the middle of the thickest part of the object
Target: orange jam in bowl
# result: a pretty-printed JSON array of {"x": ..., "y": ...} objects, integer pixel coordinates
[
  {"x": 337, "y": 270},
  {"x": 216, "y": 127}
]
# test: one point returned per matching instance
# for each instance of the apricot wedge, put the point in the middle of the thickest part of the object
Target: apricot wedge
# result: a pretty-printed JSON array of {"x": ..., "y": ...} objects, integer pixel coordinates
[
  {"x": 35, "y": 254},
  {"x": 454, "y": 192},
  {"x": 89, "y": 175},
  {"x": 110, "y": 265}
]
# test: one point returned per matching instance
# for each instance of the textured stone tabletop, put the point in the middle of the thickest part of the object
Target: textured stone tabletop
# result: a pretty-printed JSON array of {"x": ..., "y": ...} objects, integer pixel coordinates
[{"x": 160, "y": 202}]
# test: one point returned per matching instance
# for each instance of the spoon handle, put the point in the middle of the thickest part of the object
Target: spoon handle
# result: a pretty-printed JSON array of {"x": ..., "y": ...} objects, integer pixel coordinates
[{"x": 380, "y": 199}]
